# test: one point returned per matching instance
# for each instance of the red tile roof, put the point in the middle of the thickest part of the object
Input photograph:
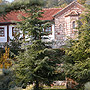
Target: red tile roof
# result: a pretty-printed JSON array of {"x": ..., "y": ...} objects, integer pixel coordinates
[
  {"x": 48, "y": 13},
  {"x": 14, "y": 16}
]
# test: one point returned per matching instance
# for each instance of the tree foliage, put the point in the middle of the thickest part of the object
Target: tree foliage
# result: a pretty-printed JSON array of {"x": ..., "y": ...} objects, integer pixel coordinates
[
  {"x": 78, "y": 55},
  {"x": 81, "y": 1},
  {"x": 51, "y": 3},
  {"x": 36, "y": 64},
  {"x": 57, "y": 3},
  {"x": 20, "y": 5}
]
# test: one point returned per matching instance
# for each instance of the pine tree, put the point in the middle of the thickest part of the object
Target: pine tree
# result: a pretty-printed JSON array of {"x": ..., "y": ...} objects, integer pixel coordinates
[
  {"x": 38, "y": 61},
  {"x": 36, "y": 64}
]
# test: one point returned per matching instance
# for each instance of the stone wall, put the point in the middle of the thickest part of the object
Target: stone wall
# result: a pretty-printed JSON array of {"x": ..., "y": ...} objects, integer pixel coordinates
[{"x": 61, "y": 35}]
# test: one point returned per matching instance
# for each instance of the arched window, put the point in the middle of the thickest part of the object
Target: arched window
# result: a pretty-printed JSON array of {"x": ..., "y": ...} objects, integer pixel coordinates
[
  {"x": 73, "y": 24},
  {"x": 60, "y": 27}
]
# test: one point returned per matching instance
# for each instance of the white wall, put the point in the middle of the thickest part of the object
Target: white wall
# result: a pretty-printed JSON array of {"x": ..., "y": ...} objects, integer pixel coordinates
[
  {"x": 52, "y": 36},
  {"x": 10, "y": 31},
  {"x": 4, "y": 39}
]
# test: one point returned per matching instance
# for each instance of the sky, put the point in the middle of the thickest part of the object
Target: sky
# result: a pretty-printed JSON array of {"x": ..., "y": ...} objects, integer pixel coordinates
[{"x": 10, "y": 0}]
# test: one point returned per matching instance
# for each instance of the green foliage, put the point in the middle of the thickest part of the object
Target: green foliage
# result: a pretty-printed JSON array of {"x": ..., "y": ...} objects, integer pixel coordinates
[
  {"x": 32, "y": 25},
  {"x": 38, "y": 65},
  {"x": 5, "y": 78},
  {"x": 78, "y": 54},
  {"x": 20, "y": 5},
  {"x": 15, "y": 45},
  {"x": 81, "y": 1},
  {"x": 80, "y": 48},
  {"x": 57, "y": 3},
  {"x": 51, "y": 3},
  {"x": 65, "y": 1}
]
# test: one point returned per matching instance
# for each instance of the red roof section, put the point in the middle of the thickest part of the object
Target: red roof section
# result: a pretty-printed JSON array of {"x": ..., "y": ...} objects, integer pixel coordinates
[
  {"x": 12, "y": 16},
  {"x": 15, "y": 15},
  {"x": 48, "y": 13}
]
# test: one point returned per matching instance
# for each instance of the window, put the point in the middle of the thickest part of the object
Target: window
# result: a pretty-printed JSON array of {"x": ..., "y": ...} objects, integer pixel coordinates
[
  {"x": 73, "y": 24},
  {"x": 48, "y": 29},
  {"x": 14, "y": 31},
  {"x": 60, "y": 27},
  {"x": 1, "y": 32}
]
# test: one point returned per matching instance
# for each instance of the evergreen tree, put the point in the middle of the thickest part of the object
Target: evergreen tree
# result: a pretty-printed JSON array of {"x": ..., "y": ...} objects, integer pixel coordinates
[
  {"x": 15, "y": 45},
  {"x": 36, "y": 64}
]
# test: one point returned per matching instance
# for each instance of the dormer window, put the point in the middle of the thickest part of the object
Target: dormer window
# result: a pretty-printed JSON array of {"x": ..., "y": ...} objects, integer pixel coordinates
[
  {"x": 2, "y": 32},
  {"x": 73, "y": 24}
]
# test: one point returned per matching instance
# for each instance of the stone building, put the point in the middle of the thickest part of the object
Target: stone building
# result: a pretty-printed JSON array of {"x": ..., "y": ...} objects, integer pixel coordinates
[{"x": 63, "y": 23}]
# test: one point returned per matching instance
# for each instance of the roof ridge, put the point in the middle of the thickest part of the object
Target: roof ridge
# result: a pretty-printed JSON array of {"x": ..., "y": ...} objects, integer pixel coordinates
[
  {"x": 68, "y": 6},
  {"x": 50, "y": 8},
  {"x": 65, "y": 7}
]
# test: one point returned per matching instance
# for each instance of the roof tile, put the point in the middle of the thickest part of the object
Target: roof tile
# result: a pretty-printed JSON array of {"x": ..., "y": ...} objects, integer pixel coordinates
[{"x": 14, "y": 15}]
